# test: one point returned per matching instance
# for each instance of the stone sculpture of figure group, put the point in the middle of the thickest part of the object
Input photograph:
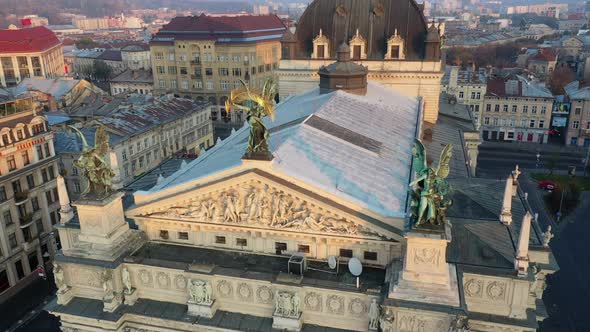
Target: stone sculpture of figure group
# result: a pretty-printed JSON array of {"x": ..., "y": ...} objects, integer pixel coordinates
[
  {"x": 286, "y": 304},
  {"x": 200, "y": 292}
]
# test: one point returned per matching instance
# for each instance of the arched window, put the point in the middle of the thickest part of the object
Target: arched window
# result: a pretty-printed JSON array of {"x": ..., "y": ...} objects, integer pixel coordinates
[
  {"x": 395, "y": 47},
  {"x": 358, "y": 48}
]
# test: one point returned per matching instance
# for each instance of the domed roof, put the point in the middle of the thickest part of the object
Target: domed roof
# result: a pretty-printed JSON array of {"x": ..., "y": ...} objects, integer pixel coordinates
[{"x": 376, "y": 21}]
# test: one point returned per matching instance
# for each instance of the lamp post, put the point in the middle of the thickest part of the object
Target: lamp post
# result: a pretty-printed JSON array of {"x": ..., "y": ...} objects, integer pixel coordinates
[{"x": 538, "y": 159}]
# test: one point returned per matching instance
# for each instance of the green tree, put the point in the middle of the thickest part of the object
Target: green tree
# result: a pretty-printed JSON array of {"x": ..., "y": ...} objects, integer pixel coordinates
[
  {"x": 86, "y": 43},
  {"x": 101, "y": 70}
]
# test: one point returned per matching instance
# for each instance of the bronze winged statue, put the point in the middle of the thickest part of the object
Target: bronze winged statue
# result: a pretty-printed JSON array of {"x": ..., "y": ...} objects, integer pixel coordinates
[
  {"x": 428, "y": 203},
  {"x": 257, "y": 105},
  {"x": 93, "y": 163}
]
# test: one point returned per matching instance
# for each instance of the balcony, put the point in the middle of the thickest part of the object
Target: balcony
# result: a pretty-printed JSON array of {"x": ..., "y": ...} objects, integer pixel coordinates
[
  {"x": 30, "y": 244},
  {"x": 195, "y": 62},
  {"x": 21, "y": 197}
]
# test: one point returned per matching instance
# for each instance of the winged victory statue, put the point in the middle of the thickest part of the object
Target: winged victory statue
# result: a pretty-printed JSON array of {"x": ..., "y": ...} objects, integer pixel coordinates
[{"x": 428, "y": 203}]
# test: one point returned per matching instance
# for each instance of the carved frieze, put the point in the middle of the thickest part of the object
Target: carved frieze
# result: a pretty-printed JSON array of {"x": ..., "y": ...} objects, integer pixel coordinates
[
  {"x": 225, "y": 288},
  {"x": 357, "y": 307},
  {"x": 180, "y": 281},
  {"x": 85, "y": 278},
  {"x": 245, "y": 292},
  {"x": 163, "y": 280},
  {"x": 474, "y": 287},
  {"x": 257, "y": 204},
  {"x": 313, "y": 302},
  {"x": 264, "y": 294},
  {"x": 145, "y": 277},
  {"x": 496, "y": 290},
  {"x": 429, "y": 256},
  {"x": 335, "y": 304}
]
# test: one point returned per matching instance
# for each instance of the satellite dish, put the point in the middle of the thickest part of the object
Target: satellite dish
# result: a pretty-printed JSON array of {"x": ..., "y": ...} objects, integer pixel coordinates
[
  {"x": 332, "y": 262},
  {"x": 355, "y": 267}
]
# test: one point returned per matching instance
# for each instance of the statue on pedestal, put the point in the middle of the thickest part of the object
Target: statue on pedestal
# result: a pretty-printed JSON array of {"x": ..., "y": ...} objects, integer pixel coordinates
[
  {"x": 107, "y": 283},
  {"x": 286, "y": 304},
  {"x": 547, "y": 236},
  {"x": 374, "y": 315},
  {"x": 93, "y": 162},
  {"x": 386, "y": 321},
  {"x": 428, "y": 205},
  {"x": 459, "y": 324},
  {"x": 257, "y": 105},
  {"x": 126, "y": 280},
  {"x": 200, "y": 292},
  {"x": 58, "y": 275}
]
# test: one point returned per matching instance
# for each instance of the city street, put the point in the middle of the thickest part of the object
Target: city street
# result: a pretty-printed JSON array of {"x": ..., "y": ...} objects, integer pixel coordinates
[{"x": 567, "y": 297}]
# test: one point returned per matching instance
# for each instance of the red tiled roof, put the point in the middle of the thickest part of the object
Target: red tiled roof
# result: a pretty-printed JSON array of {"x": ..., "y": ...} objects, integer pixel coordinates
[
  {"x": 545, "y": 54},
  {"x": 35, "y": 39}
]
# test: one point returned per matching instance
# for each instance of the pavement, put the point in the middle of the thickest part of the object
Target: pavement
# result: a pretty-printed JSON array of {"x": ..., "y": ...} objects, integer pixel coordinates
[{"x": 567, "y": 297}]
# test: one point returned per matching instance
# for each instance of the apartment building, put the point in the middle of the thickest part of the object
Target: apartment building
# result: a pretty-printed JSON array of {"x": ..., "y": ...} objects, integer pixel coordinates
[
  {"x": 578, "y": 131},
  {"x": 207, "y": 66},
  {"x": 28, "y": 196},
  {"x": 516, "y": 110},
  {"x": 469, "y": 88},
  {"x": 27, "y": 53},
  {"x": 143, "y": 131}
]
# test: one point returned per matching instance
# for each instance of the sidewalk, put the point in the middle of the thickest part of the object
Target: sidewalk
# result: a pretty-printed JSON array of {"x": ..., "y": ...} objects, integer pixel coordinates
[{"x": 528, "y": 147}]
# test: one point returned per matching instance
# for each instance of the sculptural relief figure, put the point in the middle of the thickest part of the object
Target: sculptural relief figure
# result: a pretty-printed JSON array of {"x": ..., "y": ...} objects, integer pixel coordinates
[
  {"x": 286, "y": 304},
  {"x": 428, "y": 204},
  {"x": 107, "y": 282},
  {"x": 207, "y": 209},
  {"x": 58, "y": 275},
  {"x": 547, "y": 236},
  {"x": 200, "y": 292},
  {"x": 386, "y": 321},
  {"x": 374, "y": 315},
  {"x": 126, "y": 279},
  {"x": 459, "y": 324}
]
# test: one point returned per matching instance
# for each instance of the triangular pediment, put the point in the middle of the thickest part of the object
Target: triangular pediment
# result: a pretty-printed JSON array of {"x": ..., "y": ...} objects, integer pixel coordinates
[{"x": 258, "y": 200}]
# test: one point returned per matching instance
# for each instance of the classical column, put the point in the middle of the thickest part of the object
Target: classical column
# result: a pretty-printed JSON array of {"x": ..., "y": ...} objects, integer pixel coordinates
[
  {"x": 2, "y": 79},
  {"x": 30, "y": 66},
  {"x": 65, "y": 210},
  {"x": 521, "y": 262},
  {"x": 506, "y": 213}
]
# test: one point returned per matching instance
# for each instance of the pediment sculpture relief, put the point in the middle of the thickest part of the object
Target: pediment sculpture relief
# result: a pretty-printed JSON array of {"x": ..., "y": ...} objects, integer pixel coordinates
[{"x": 257, "y": 204}]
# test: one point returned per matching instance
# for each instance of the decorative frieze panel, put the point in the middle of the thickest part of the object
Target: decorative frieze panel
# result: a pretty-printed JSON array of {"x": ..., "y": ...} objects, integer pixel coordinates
[
  {"x": 313, "y": 302},
  {"x": 357, "y": 307},
  {"x": 493, "y": 290},
  {"x": 225, "y": 289},
  {"x": 145, "y": 278},
  {"x": 180, "y": 281},
  {"x": 264, "y": 294},
  {"x": 84, "y": 277},
  {"x": 257, "y": 204},
  {"x": 245, "y": 292},
  {"x": 335, "y": 304},
  {"x": 163, "y": 280}
]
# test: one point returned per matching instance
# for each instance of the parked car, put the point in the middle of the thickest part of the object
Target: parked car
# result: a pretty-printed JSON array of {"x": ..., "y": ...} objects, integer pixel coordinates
[{"x": 547, "y": 185}]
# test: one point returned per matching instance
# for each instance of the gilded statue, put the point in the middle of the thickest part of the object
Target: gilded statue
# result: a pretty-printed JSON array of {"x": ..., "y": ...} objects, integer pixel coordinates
[
  {"x": 93, "y": 163},
  {"x": 257, "y": 105},
  {"x": 428, "y": 204}
]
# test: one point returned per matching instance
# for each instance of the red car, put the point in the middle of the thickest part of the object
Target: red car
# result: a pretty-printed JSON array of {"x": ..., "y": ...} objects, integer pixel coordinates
[{"x": 547, "y": 184}]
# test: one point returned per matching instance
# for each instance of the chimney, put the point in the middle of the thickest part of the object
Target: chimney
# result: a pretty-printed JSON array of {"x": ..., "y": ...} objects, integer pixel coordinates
[
  {"x": 506, "y": 213},
  {"x": 521, "y": 262},
  {"x": 66, "y": 212}
]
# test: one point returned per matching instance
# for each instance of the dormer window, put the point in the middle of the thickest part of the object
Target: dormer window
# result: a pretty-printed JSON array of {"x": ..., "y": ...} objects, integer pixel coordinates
[
  {"x": 321, "y": 47},
  {"x": 358, "y": 48},
  {"x": 395, "y": 47}
]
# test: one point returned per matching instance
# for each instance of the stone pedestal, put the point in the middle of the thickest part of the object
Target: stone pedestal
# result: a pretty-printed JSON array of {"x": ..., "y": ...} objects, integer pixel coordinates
[
  {"x": 426, "y": 276},
  {"x": 202, "y": 309},
  {"x": 101, "y": 220},
  {"x": 111, "y": 302},
  {"x": 130, "y": 297},
  {"x": 288, "y": 323},
  {"x": 64, "y": 296}
]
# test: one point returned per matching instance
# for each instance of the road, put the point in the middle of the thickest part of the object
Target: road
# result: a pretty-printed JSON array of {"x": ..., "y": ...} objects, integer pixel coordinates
[{"x": 567, "y": 296}]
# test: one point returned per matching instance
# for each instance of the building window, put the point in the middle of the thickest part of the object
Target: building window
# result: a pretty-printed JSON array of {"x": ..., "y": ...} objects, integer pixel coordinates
[
  {"x": 488, "y": 108},
  {"x": 576, "y": 124},
  {"x": 209, "y": 71},
  {"x": 11, "y": 163},
  {"x": 4, "y": 282},
  {"x": 394, "y": 51},
  {"x": 280, "y": 247},
  {"x": 173, "y": 84},
  {"x": 53, "y": 217},
  {"x": 33, "y": 260},
  {"x": 183, "y": 71},
  {"x": 198, "y": 84},
  {"x": 40, "y": 152},
  {"x": 495, "y": 121},
  {"x": 209, "y": 85},
  {"x": 534, "y": 109},
  {"x": 541, "y": 123},
  {"x": 505, "y": 108},
  {"x": 369, "y": 255},
  {"x": 461, "y": 94},
  {"x": 25, "y": 156},
  {"x": 514, "y": 108},
  {"x": 497, "y": 108},
  {"x": 77, "y": 187},
  {"x": 578, "y": 110},
  {"x": 124, "y": 155},
  {"x": 7, "y": 218},
  {"x": 183, "y": 235},
  {"x": 2, "y": 194},
  {"x": 162, "y": 84},
  {"x": 532, "y": 123},
  {"x": 543, "y": 109},
  {"x": 51, "y": 172},
  {"x": 12, "y": 240},
  {"x": 16, "y": 187},
  {"x": 472, "y": 95},
  {"x": 486, "y": 120},
  {"x": 164, "y": 234},
  {"x": 478, "y": 95},
  {"x": 346, "y": 253},
  {"x": 159, "y": 55},
  {"x": 525, "y": 109},
  {"x": 223, "y": 71},
  {"x": 224, "y": 85},
  {"x": 35, "y": 203},
  {"x": 39, "y": 226},
  {"x": 237, "y": 72},
  {"x": 20, "y": 272},
  {"x": 220, "y": 239},
  {"x": 303, "y": 248},
  {"x": 241, "y": 242},
  {"x": 44, "y": 175}
]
